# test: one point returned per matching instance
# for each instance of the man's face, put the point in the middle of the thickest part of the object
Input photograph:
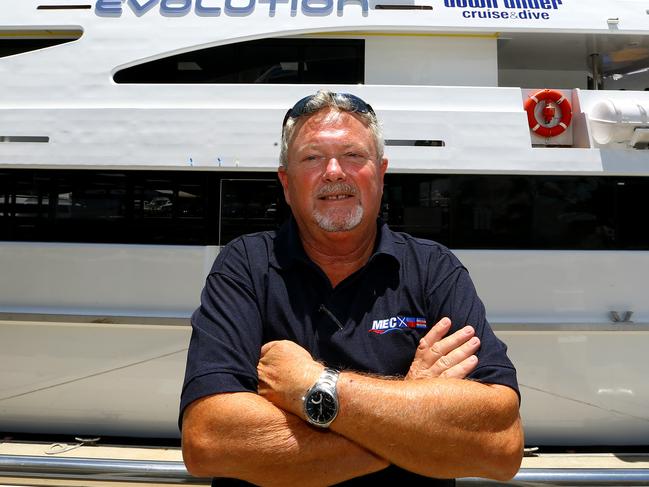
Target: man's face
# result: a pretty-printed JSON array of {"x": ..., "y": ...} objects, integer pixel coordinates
[{"x": 333, "y": 181}]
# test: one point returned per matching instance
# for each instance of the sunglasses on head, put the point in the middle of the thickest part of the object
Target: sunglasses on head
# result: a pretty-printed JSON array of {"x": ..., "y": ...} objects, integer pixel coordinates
[{"x": 357, "y": 104}]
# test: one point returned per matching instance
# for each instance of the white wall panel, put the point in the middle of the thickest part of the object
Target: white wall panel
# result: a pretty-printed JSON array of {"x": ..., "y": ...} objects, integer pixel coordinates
[{"x": 434, "y": 60}]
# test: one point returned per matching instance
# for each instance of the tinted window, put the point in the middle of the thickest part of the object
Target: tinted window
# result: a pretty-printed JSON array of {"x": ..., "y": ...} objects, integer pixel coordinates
[
  {"x": 9, "y": 46},
  {"x": 164, "y": 207},
  {"x": 250, "y": 205},
  {"x": 211, "y": 208},
  {"x": 334, "y": 61},
  {"x": 516, "y": 212}
]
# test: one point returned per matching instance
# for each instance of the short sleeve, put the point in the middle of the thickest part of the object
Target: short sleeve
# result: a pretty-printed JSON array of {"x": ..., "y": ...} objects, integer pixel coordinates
[
  {"x": 454, "y": 295},
  {"x": 226, "y": 332}
]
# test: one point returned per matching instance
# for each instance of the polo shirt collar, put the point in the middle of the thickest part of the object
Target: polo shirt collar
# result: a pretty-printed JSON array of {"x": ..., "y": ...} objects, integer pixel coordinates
[{"x": 288, "y": 249}]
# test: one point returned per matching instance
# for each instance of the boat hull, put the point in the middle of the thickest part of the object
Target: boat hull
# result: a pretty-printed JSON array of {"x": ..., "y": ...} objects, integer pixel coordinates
[{"x": 70, "y": 367}]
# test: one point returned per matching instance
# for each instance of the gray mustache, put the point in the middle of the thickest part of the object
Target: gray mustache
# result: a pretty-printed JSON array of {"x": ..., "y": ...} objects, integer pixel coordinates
[{"x": 336, "y": 188}]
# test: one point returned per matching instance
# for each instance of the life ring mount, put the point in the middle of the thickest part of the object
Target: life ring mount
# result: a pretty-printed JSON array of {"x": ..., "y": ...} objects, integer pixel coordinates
[{"x": 542, "y": 117}]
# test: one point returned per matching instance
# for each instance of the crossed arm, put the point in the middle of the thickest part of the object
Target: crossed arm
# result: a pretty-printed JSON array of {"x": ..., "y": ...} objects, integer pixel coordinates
[{"x": 433, "y": 422}]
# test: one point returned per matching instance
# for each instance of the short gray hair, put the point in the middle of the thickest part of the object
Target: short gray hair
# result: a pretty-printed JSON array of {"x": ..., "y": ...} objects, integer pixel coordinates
[{"x": 336, "y": 101}]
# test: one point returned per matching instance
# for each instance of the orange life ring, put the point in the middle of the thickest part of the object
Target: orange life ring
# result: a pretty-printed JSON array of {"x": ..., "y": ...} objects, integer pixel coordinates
[{"x": 548, "y": 96}]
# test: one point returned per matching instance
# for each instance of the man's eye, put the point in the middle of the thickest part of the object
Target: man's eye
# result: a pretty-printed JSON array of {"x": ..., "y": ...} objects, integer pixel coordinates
[{"x": 355, "y": 157}]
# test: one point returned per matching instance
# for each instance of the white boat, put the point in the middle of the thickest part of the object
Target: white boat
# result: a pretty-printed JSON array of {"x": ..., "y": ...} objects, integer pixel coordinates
[{"x": 137, "y": 136}]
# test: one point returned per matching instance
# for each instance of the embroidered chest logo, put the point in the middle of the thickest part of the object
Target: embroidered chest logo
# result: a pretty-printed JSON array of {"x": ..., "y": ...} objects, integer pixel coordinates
[{"x": 397, "y": 323}]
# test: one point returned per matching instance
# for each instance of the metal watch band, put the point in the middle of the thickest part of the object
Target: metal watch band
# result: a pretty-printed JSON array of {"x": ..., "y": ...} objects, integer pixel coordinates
[
  {"x": 329, "y": 379},
  {"x": 325, "y": 385}
]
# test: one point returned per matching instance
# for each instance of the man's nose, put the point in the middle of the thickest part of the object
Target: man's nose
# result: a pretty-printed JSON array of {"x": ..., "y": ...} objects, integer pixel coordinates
[{"x": 333, "y": 170}]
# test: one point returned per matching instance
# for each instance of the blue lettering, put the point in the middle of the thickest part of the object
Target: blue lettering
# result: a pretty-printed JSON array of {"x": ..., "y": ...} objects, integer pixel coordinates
[
  {"x": 209, "y": 8},
  {"x": 175, "y": 8},
  {"x": 364, "y": 6},
  {"x": 545, "y": 16},
  {"x": 325, "y": 9},
  {"x": 472, "y": 3},
  {"x": 204, "y": 11},
  {"x": 141, "y": 9},
  {"x": 527, "y": 14},
  {"x": 466, "y": 14},
  {"x": 109, "y": 7},
  {"x": 272, "y": 4},
  {"x": 239, "y": 11},
  {"x": 532, "y": 4}
]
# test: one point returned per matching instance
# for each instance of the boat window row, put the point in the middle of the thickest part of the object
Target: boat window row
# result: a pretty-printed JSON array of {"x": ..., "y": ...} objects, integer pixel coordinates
[
  {"x": 292, "y": 61},
  {"x": 212, "y": 208}
]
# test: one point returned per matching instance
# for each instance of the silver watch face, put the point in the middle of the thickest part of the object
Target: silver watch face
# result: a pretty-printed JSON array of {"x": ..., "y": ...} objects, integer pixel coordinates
[{"x": 320, "y": 407}]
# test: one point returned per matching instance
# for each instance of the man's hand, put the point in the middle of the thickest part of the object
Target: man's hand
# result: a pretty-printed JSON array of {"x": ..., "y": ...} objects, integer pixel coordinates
[
  {"x": 449, "y": 357},
  {"x": 286, "y": 371}
]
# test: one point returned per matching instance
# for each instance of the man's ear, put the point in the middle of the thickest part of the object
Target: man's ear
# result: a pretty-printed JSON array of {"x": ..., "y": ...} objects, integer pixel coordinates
[
  {"x": 383, "y": 167},
  {"x": 283, "y": 179}
]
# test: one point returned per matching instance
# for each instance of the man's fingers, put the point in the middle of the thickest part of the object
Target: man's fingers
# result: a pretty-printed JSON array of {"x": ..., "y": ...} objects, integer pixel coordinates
[
  {"x": 267, "y": 346},
  {"x": 451, "y": 342},
  {"x": 456, "y": 356},
  {"x": 461, "y": 370},
  {"x": 436, "y": 333},
  {"x": 437, "y": 353},
  {"x": 458, "y": 363}
]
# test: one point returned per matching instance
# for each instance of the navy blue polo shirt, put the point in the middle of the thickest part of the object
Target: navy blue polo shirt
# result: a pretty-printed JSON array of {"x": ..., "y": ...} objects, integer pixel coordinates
[{"x": 263, "y": 287}]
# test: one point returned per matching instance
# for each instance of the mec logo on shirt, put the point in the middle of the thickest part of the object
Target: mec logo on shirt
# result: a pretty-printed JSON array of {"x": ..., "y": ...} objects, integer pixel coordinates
[{"x": 397, "y": 323}]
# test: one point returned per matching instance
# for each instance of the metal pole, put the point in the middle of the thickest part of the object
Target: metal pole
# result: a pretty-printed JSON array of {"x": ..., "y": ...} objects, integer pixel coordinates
[{"x": 594, "y": 66}]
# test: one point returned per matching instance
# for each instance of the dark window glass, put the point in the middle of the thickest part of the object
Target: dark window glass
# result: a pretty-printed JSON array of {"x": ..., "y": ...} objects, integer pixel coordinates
[
  {"x": 419, "y": 206},
  {"x": 210, "y": 208},
  {"x": 27, "y": 203},
  {"x": 631, "y": 227},
  {"x": 172, "y": 208},
  {"x": 575, "y": 212},
  {"x": 4, "y": 199},
  {"x": 100, "y": 198},
  {"x": 250, "y": 205},
  {"x": 334, "y": 61},
  {"x": 520, "y": 212},
  {"x": 9, "y": 47},
  {"x": 492, "y": 212}
]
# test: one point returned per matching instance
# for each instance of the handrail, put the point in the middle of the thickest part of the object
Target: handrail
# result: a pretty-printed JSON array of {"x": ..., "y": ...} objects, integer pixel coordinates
[
  {"x": 174, "y": 472},
  {"x": 98, "y": 469},
  {"x": 569, "y": 476}
]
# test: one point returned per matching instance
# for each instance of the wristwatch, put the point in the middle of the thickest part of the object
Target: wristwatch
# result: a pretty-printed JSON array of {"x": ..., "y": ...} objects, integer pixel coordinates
[{"x": 320, "y": 402}]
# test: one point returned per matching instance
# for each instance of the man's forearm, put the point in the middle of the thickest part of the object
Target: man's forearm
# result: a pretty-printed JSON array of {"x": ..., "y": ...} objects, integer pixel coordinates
[
  {"x": 244, "y": 436},
  {"x": 435, "y": 427}
]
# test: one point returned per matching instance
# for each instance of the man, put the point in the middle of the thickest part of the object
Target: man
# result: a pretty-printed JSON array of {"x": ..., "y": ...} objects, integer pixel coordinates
[{"x": 313, "y": 360}]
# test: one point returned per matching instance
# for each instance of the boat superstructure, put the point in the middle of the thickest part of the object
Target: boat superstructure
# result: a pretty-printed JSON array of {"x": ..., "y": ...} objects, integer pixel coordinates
[{"x": 137, "y": 137}]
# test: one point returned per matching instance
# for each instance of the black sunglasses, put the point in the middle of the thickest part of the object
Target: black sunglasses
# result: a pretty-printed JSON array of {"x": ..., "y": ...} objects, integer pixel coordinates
[{"x": 357, "y": 104}]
